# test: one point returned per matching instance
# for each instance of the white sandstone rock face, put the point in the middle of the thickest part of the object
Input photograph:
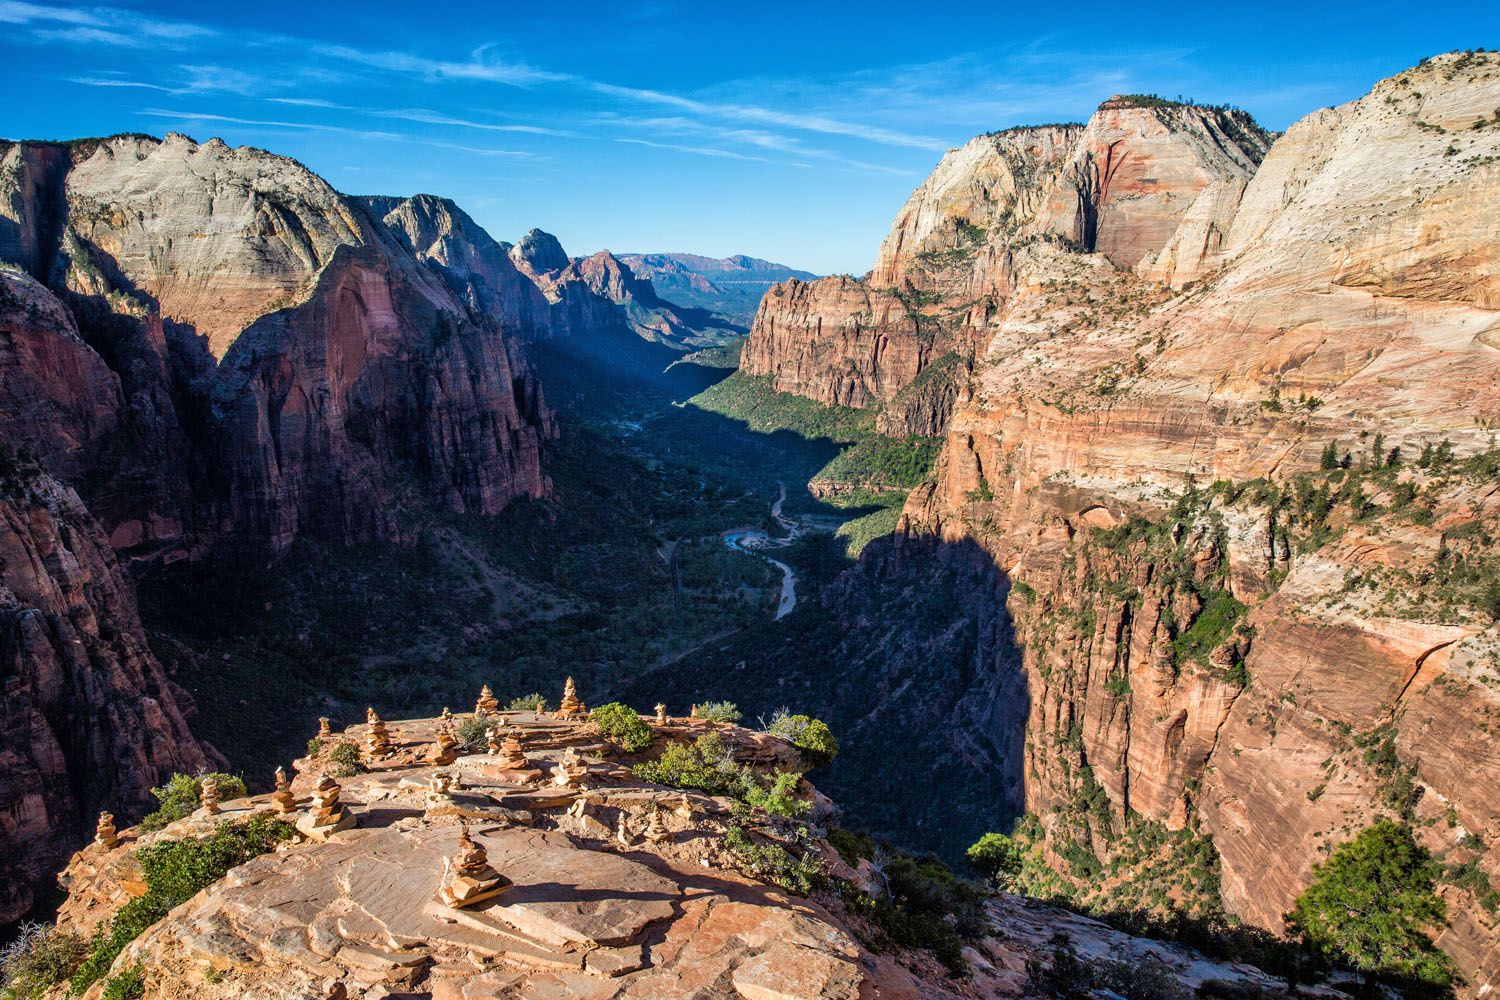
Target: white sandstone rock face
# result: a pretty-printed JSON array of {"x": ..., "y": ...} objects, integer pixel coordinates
[
  {"x": 217, "y": 236},
  {"x": 946, "y": 278}
]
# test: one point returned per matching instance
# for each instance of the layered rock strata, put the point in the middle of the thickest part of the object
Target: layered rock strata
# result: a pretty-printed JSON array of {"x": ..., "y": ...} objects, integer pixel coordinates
[
  {"x": 90, "y": 719},
  {"x": 945, "y": 278}
]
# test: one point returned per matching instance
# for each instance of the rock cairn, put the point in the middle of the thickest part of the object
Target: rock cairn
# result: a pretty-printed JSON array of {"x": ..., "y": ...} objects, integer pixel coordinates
[
  {"x": 208, "y": 794},
  {"x": 284, "y": 800},
  {"x": 445, "y": 750},
  {"x": 571, "y": 770},
  {"x": 467, "y": 876},
  {"x": 492, "y": 739},
  {"x": 656, "y": 827},
  {"x": 105, "y": 834},
  {"x": 487, "y": 704},
  {"x": 325, "y": 729},
  {"x": 377, "y": 737},
  {"x": 571, "y": 707},
  {"x": 661, "y": 714},
  {"x": 327, "y": 815},
  {"x": 512, "y": 757},
  {"x": 439, "y": 792}
]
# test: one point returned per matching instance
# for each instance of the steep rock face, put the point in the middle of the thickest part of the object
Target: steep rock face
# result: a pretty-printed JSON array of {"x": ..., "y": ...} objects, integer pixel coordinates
[
  {"x": 31, "y": 213},
  {"x": 325, "y": 407},
  {"x": 90, "y": 720},
  {"x": 214, "y": 236},
  {"x": 1347, "y": 299},
  {"x": 479, "y": 270},
  {"x": 600, "y": 293},
  {"x": 1118, "y": 186},
  {"x": 58, "y": 398},
  {"x": 1139, "y": 166},
  {"x": 162, "y": 242}
]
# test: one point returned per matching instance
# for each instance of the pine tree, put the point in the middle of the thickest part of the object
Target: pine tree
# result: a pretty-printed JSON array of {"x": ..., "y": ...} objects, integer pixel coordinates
[
  {"x": 1370, "y": 905},
  {"x": 1330, "y": 457}
]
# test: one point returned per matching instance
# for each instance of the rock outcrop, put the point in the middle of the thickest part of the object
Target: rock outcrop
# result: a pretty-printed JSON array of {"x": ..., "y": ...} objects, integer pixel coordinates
[
  {"x": 946, "y": 275},
  {"x": 1277, "y": 660},
  {"x": 612, "y": 887}
]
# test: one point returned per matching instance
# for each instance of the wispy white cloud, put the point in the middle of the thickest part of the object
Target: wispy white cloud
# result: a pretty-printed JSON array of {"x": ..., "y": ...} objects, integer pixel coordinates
[
  {"x": 208, "y": 118},
  {"x": 771, "y": 116},
  {"x": 309, "y": 102},
  {"x": 95, "y": 81},
  {"x": 722, "y": 154},
  {"x": 426, "y": 117},
  {"x": 490, "y": 70},
  {"x": 205, "y": 117},
  {"x": 511, "y": 154},
  {"x": 111, "y": 26}
]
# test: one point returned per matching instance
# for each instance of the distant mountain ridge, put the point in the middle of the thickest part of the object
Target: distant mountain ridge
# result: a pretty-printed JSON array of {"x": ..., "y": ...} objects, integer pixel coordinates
[{"x": 730, "y": 286}]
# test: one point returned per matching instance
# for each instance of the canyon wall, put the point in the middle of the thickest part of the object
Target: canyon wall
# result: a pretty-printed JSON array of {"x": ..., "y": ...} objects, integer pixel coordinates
[
  {"x": 91, "y": 721},
  {"x": 1239, "y": 605},
  {"x": 945, "y": 277}
]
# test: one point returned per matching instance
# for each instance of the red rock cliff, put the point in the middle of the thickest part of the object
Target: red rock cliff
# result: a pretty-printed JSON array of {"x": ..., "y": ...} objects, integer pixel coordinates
[{"x": 1348, "y": 296}]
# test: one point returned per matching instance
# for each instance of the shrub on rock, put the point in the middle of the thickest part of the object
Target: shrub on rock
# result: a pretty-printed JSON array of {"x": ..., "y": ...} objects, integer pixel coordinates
[
  {"x": 810, "y": 736},
  {"x": 621, "y": 725},
  {"x": 180, "y": 796}
]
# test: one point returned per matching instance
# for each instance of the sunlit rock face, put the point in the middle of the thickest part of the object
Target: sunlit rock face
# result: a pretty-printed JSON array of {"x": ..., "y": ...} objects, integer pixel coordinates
[
  {"x": 1340, "y": 291},
  {"x": 946, "y": 275}
]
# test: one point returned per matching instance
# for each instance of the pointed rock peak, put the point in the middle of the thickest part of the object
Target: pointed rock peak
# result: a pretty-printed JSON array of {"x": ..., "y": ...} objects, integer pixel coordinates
[{"x": 541, "y": 252}]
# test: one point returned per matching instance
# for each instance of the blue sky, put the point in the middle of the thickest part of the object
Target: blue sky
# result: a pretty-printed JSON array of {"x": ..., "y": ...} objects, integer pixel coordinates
[{"x": 786, "y": 131}]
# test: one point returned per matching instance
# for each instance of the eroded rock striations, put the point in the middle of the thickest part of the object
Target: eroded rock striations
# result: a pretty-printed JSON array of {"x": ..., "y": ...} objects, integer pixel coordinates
[
  {"x": 1232, "y": 607},
  {"x": 90, "y": 719},
  {"x": 947, "y": 275}
]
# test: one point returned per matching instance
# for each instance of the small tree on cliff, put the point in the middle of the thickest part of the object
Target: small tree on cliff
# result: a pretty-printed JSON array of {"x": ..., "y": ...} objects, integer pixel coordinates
[
  {"x": 997, "y": 858},
  {"x": 1370, "y": 906}
]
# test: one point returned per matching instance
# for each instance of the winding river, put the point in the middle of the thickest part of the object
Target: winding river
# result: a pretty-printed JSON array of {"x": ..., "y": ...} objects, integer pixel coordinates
[{"x": 754, "y": 541}]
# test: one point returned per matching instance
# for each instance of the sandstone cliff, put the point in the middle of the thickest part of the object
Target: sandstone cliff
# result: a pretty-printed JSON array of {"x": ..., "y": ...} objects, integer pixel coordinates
[
  {"x": 90, "y": 720},
  {"x": 1276, "y": 660},
  {"x": 217, "y": 352},
  {"x": 312, "y": 308},
  {"x": 945, "y": 278}
]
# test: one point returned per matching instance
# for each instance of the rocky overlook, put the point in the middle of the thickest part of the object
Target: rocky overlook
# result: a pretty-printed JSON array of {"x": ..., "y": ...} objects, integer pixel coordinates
[{"x": 595, "y": 883}]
